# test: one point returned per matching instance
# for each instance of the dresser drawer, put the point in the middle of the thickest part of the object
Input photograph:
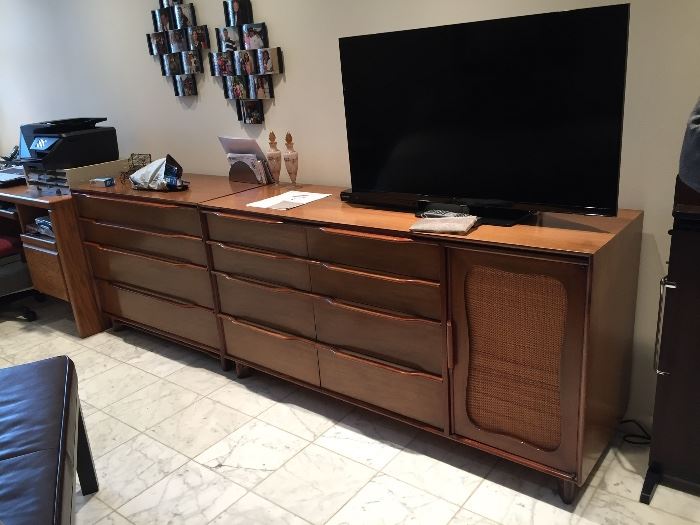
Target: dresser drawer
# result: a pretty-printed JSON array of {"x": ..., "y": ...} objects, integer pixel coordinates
[
  {"x": 265, "y": 266},
  {"x": 186, "y": 321},
  {"x": 395, "y": 255},
  {"x": 179, "y": 280},
  {"x": 280, "y": 352},
  {"x": 270, "y": 306},
  {"x": 170, "y": 245},
  {"x": 266, "y": 234},
  {"x": 408, "y": 296},
  {"x": 147, "y": 215},
  {"x": 414, "y": 395},
  {"x": 45, "y": 270},
  {"x": 409, "y": 342}
]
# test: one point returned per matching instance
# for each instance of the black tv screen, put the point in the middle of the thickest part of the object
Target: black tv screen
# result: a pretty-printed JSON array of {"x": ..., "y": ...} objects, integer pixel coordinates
[{"x": 525, "y": 110}]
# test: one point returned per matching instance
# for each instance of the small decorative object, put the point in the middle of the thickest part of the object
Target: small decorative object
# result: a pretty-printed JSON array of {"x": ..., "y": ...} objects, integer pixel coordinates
[
  {"x": 291, "y": 158},
  {"x": 247, "y": 74},
  {"x": 136, "y": 162},
  {"x": 274, "y": 158},
  {"x": 178, "y": 41}
]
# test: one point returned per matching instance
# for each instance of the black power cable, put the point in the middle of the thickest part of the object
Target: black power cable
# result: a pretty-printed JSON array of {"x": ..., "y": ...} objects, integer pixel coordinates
[{"x": 636, "y": 439}]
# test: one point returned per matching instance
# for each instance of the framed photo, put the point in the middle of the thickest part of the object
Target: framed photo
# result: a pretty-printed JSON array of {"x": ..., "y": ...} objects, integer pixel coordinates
[
  {"x": 255, "y": 36},
  {"x": 192, "y": 62},
  {"x": 236, "y": 87},
  {"x": 157, "y": 43},
  {"x": 171, "y": 64},
  {"x": 221, "y": 64},
  {"x": 238, "y": 12},
  {"x": 178, "y": 40},
  {"x": 198, "y": 37},
  {"x": 252, "y": 111},
  {"x": 185, "y": 85},
  {"x": 270, "y": 60},
  {"x": 246, "y": 63},
  {"x": 184, "y": 16},
  {"x": 229, "y": 38},
  {"x": 260, "y": 87},
  {"x": 163, "y": 20},
  {"x": 170, "y": 3}
]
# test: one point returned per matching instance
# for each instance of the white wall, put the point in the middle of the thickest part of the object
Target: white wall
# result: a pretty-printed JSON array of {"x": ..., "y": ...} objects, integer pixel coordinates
[{"x": 88, "y": 58}]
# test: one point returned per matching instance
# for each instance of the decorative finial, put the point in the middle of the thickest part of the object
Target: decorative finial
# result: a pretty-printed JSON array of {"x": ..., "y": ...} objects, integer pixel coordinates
[
  {"x": 289, "y": 139},
  {"x": 272, "y": 137}
]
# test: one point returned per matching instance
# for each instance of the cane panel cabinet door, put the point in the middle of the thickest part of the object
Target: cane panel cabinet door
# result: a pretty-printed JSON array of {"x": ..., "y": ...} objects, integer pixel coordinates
[{"x": 517, "y": 326}]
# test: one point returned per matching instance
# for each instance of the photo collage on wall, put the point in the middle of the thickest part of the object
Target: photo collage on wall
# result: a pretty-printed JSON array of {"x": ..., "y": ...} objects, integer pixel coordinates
[
  {"x": 245, "y": 61},
  {"x": 178, "y": 42}
]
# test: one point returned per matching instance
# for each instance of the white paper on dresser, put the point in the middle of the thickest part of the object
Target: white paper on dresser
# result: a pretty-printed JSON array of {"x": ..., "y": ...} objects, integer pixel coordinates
[{"x": 289, "y": 200}]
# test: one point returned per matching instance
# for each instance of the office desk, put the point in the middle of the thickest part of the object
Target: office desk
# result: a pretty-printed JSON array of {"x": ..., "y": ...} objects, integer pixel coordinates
[{"x": 58, "y": 267}]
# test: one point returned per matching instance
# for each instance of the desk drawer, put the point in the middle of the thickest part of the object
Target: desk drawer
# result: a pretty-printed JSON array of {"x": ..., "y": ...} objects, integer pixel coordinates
[
  {"x": 266, "y": 234},
  {"x": 414, "y": 395},
  {"x": 408, "y": 296},
  {"x": 395, "y": 255},
  {"x": 265, "y": 266},
  {"x": 270, "y": 306},
  {"x": 282, "y": 353},
  {"x": 170, "y": 245},
  {"x": 189, "y": 322},
  {"x": 409, "y": 342},
  {"x": 46, "y": 272},
  {"x": 147, "y": 215},
  {"x": 180, "y": 280}
]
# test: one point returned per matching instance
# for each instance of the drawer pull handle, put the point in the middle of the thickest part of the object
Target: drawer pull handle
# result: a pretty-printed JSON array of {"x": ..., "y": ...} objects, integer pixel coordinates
[
  {"x": 254, "y": 252},
  {"x": 153, "y": 295},
  {"x": 146, "y": 257},
  {"x": 665, "y": 285},
  {"x": 137, "y": 230},
  {"x": 257, "y": 284},
  {"x": 35, "y": 248},
  {"x": 128, "y": 202},
  {"x": 370, "y": 236},
  {"x": 366, "y": 311},
  {"x": 385, "y": 366},
  {"x": 334, "y": 268},
  {"x": 245, "y": 218},
  {"x": 270, "y": 333}
]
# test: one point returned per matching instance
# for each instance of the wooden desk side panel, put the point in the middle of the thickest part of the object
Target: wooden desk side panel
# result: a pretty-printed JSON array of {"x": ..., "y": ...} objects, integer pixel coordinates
[
  {"x": 76, "y": 272},
  {"x": 610, "y": 334}
]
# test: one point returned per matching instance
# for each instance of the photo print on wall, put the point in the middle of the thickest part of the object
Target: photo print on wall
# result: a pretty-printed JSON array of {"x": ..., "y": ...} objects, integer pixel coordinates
[
  {"x": 238, "y": 12},
  {"x": 178, "y": 42},
  {"x": 245, "y": 61}
]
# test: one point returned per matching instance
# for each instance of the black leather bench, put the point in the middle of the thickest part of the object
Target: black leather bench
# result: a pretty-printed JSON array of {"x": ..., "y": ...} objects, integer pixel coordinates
[{"x": 42, "y": 443}]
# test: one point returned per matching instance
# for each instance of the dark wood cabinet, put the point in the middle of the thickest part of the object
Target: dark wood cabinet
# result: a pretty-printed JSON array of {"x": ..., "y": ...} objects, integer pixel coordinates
[
  {"x": 518, "y": 337},
  {"x": 674, "y": 458}
]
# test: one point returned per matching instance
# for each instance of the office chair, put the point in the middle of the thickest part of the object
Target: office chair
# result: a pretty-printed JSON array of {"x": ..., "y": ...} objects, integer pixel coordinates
[{"x": 15, "y": 283}]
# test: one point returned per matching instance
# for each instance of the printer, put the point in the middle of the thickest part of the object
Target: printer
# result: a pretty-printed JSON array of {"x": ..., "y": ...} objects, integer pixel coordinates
[
  {"x": 47, "y": 150},
  {"x": 70, "y": 143}
]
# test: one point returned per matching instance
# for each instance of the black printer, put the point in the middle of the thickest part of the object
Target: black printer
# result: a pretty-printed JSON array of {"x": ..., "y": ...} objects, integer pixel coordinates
[{"x": 65, "y": 144}]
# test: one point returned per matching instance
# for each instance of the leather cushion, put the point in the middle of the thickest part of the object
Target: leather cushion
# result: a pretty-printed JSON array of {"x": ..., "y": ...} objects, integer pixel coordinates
[
  {"x": 9, "y": 245},
  {"x": 38, "y": 406}
]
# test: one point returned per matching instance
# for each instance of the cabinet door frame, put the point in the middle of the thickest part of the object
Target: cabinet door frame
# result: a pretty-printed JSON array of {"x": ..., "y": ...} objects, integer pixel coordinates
[{"x": 574, "y": 277}]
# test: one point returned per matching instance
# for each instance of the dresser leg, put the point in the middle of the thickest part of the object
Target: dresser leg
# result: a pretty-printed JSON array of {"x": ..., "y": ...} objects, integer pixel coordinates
[
  {"x": 242, "y": 371},
  {"x": 652, "y": 479},
  {"x": 567, "y": 491}
]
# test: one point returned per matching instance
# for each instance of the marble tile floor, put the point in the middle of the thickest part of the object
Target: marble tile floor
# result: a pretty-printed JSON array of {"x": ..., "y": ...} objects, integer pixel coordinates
[{"x": 176, "y": 440}]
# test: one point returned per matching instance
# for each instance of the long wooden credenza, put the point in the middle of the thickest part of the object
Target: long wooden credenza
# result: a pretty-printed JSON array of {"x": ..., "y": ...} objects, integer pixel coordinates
[{"x": 516, "y": 341}]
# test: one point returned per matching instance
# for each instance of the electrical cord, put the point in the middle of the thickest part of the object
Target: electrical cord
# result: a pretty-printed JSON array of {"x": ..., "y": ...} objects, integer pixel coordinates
[{"x": 636, "y": 439}]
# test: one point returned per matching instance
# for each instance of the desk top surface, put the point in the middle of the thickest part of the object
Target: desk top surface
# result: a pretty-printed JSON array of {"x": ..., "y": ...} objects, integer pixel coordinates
[
  {"x": 547, "y": 231},
  {"x": 24, "y": 195},
  {"x": 202, "y": 188}
]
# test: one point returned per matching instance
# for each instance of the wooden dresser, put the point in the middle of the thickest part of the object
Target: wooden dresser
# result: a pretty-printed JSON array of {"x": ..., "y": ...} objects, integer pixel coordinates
[{"x": 515, "y": 340}]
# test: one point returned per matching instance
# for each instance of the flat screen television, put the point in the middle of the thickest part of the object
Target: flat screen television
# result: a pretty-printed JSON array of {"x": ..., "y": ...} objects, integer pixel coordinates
[{"x": 522, "y": 113}]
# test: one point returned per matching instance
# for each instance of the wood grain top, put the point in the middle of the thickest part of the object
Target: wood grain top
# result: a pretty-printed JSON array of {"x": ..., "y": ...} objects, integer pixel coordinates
[
  {"x": 202, "y": 188},
  {"x": 24, "y": 195},
  {"x": 559, "y": 232}
]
